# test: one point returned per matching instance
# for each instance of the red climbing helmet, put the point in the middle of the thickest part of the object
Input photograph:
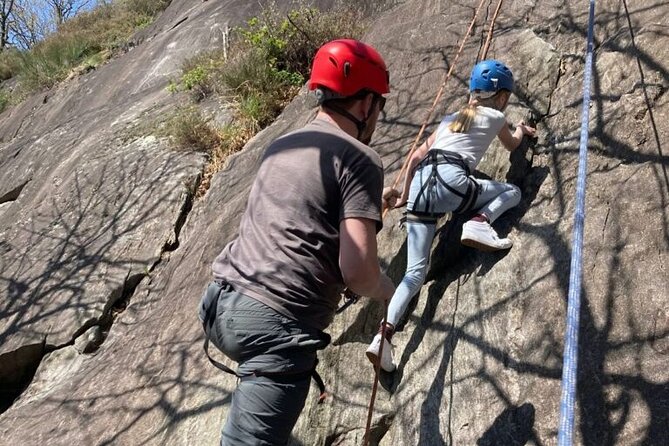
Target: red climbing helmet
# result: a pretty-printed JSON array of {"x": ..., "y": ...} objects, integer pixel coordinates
[{"x": 347, "y": 66}]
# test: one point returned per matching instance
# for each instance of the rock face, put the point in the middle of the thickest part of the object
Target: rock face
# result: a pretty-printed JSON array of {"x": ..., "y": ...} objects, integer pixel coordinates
[{"x": 105, "y": 253}]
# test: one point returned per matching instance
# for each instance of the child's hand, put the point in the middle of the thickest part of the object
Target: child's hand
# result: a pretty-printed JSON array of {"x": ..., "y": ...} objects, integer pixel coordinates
[
  {"x": 401, "y": 202},
  {"x": 390, "y": 196},
  {"x": 526, "y": 129}
]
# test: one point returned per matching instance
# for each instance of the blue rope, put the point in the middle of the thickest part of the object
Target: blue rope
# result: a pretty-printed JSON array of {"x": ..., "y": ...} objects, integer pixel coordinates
[{"x": 570, "y": 360}]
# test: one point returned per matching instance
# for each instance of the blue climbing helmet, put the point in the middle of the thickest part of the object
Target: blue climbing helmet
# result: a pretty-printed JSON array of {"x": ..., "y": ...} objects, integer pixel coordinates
[{"x": 491, "y": 76}]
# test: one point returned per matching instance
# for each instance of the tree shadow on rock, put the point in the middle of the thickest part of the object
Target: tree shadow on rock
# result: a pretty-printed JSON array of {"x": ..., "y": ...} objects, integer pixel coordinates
[{"x": 513, "y": 427}]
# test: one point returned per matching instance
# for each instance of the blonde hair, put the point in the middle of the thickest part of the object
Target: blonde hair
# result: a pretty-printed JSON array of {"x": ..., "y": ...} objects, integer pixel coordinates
[
  {"x": 465, "y": 117},
  {"x": 463, "y": 121}
]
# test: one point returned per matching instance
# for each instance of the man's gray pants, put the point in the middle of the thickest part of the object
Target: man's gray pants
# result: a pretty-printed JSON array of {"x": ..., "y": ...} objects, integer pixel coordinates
[{"x": 274, "y": 355}]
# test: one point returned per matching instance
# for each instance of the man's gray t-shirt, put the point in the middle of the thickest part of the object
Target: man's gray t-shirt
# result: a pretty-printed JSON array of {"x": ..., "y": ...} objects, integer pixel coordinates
[{"x": 287, "y": 252}]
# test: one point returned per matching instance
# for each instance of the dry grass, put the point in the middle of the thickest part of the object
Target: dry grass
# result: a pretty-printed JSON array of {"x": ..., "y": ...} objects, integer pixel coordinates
[
  {"x": 189, "y": 130},
  {"x": 233, "y": 139},
  {"x": 84, "y": 41}
]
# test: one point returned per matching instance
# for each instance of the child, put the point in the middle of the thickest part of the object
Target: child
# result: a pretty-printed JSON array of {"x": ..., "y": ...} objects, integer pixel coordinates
[{"x": 439, "y": 181}]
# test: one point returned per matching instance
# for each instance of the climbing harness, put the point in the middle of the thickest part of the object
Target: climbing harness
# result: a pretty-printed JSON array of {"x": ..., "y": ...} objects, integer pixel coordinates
[
  {"x": 428, "y": 192},
  {"x": 286, "y": 377},
  {"x": 570, "y": 357}
]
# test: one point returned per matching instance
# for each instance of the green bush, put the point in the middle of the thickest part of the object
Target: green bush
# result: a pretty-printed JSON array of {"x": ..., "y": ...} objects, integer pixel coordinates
[
  {"x": 194, "y": 77},
  {"x": 272, "y": 56},
  {"x": 274, "y": 53},
  {"x": 10, "y": 61},
  {"x": 271, "y": 51},
  {"x": 200, "y": 74},
  {"x": 290, "y": 41},
  {"x": 51, "y": 61},
  {"x": 257, "y": 111},
  {"x": 5, "y": 99},
  {"x": 270, "y": 60},
  {"x": 250, "y": 73}
]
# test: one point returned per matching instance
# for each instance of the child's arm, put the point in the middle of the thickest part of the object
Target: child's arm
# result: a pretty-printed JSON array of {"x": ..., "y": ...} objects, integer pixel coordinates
[
  {"x": 512, "y": 140},
  {"x": 415, "y": 159}
]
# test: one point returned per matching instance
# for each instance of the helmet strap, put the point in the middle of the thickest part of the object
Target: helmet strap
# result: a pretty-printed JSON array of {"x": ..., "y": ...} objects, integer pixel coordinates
[{"x": 359, "y": 124}]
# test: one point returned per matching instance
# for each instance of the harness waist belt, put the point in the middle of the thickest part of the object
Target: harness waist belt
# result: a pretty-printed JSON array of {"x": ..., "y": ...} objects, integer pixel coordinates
[{"x": 434, "y": 158}]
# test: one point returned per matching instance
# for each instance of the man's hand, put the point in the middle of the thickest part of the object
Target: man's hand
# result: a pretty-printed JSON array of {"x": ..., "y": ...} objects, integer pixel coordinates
[
  {"x": 390, "y": 196},
  {"x": 350, "y": 295}
]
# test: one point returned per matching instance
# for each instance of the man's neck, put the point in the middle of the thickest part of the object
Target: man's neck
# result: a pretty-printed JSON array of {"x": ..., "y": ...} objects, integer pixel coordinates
[{"x": 340, "y": 121}]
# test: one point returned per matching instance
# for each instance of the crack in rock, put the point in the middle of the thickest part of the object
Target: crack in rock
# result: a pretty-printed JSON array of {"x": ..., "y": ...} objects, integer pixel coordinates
[
  {"x": 178, "y": 23},
  {"x": 17, "y": 370},
  {"x": 186, "y": 208},
  {"x": 560, "y": 73},
  {"x": 117, "y": 303},
  {"x": 13, "y": 194},
  {"x": 18, "y": 367}
]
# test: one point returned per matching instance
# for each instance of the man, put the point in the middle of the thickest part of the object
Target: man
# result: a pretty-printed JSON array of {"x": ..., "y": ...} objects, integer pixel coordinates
[{"x": 308, "y": 231}]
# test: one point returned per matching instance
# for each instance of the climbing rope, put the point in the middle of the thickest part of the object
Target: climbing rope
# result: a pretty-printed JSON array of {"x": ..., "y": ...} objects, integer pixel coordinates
[
  {"x": 377, "y": 368},
  {"x": 570, "y": 359},
  {"x": 486, "y": 47},
  {"x": 377, "y": 372}
]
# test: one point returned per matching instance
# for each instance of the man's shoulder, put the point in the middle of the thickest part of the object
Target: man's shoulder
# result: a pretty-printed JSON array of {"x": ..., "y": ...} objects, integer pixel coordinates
[
  {"x": 315, "y": 132},
  {"x": 324, "y": 135}
]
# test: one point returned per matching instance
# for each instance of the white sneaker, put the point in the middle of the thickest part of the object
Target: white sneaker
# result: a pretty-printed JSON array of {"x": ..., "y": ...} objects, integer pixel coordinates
[
  {"x": 480, "y": 235},
  {"x": 387, "y": 363}
]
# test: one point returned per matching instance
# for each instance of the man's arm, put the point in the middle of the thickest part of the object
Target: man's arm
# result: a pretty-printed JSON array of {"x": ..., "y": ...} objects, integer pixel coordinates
[{"x": 358, "y": 259}]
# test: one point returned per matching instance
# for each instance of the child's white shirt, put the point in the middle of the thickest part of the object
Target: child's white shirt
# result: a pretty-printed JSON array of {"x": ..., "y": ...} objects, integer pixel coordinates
[{"x": 473, "y": 144}]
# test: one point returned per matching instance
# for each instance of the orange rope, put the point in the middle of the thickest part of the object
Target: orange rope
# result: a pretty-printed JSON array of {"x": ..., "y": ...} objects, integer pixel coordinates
[
  {"x": 377, "y": 372},
  {"x": 377, "y": 368},
  {"x": 484, "y": 54}
]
